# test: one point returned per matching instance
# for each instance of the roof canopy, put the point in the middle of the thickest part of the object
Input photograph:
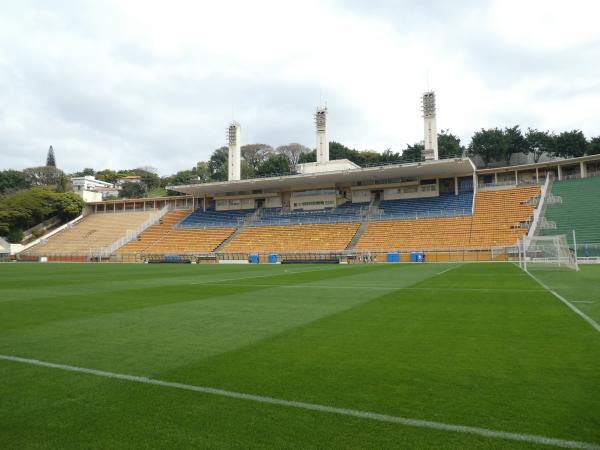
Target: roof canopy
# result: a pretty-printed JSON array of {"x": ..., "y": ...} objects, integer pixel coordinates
[{"x": 428, "y": 169}]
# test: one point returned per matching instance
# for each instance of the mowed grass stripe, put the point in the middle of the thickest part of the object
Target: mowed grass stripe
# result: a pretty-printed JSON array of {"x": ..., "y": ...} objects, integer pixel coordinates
[
  {"x": 316, "y": 407},
  {"x": 498, "y": 362},
  {"x": 508, "y": 360}
]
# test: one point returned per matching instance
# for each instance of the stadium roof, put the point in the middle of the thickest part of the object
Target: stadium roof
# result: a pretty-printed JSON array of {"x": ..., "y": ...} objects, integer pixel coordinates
[{"x": 426, "y": 169}]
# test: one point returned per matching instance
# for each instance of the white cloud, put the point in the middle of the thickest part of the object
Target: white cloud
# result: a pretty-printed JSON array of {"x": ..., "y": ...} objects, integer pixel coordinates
[{"x": 125, "y": 84}]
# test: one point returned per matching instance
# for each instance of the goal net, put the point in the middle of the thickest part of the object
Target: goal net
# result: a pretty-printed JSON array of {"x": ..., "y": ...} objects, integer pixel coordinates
[{"x": 552, "y": 252}]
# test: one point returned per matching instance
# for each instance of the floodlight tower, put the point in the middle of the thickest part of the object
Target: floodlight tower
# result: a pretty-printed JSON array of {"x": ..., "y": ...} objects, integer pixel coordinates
[
  {"x": 431, "y": 143},
  {"x": 233, "y": 134},
  {"x": 322, "y": 140}
]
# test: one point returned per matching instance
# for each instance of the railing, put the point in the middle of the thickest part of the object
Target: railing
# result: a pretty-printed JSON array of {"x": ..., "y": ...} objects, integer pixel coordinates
[
  {"x": 541, "y": 206},
  {"x": 130, "y": 235},
  {"x": 505, "y": 184},
  {"x": 429, "y": 214},
  {"x": 44, "y": 238}
]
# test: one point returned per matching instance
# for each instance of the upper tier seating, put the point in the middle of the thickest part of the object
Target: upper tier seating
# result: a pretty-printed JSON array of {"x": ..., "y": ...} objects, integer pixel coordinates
[
  {"x": 579, "y": 210},
  {"x": 91, "y": 234},
  {"x": 495, "y": 222},
  {"x": 293, "y": 238},
  {"x": 347, "y": 212},
  {"x": 212, "y": 218},
  {"x": 446, "y": 205},
  {"x": 499, "y": 215}
]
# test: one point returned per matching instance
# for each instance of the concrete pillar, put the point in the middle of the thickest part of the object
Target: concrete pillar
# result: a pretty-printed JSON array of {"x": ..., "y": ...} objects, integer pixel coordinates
[
  {"x": 559, "y": 171},
  {"x": 235, "y": 152},
  {"x": 582, "y": 170},
  {"x": 455, "y": 186},
  {"x": 537, "y": 175},
  {"x": 516, "y": 178},
  {"x": 429, "y": 126},
  {"x": 322, "y": 138},
  {"x": 495, "y": 177}
]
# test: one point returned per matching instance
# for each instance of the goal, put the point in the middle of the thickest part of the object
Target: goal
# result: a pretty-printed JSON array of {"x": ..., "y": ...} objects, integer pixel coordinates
[{"x": 552, "y": 252}]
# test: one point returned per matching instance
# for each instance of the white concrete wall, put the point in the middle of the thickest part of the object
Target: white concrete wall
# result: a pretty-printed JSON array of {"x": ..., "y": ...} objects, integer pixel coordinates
[
  {"x": 273, "y": 202},
  {"x": 427, "y": 190},
  {"x": 227, "y": 205}
]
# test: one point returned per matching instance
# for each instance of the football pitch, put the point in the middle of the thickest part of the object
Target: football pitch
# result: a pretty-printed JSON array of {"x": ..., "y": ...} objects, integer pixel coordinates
[{"x": 430, "y": 356}]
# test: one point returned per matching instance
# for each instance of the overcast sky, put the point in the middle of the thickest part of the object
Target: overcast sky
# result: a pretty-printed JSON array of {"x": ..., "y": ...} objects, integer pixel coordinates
[{"x": 123, "y": 84}]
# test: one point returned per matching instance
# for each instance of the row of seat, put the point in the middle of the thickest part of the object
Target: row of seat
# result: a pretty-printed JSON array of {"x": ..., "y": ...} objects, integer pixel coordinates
[
  {"x": 579, "y": 210},
  {"x": 497, "y": 221},
  {"x": 293, "y": 238},
  {"x": 91, "y": 234}
]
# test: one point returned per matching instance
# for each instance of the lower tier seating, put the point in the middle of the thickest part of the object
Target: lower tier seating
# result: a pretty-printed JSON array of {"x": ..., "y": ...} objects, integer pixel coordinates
[
  {"x": 91, "y": 234},
  {"x": 192, "y": 240},
  {"x": 156, "y": 232},
  {"x": 293, "y": 238},
  {"x": 579, "y": 210},
  {"x": 497, "y": 221},
  {"x": 165, "y": 238}
]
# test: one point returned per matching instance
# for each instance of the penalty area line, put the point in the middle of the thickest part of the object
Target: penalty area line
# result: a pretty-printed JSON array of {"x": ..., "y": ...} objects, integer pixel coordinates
[
  {"x": 418, "y": 423},
  {"x": 570, "y": 305}
]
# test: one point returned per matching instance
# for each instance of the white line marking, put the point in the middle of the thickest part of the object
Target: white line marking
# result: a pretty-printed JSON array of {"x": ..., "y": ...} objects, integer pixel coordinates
[
  {"x": 574, "y": 308},
  {"x": 580, "y": 301},
  {"x": 382, "y": 288},
  {"x": 316, "y": 407},
  {"x": 449, "y": 269}
]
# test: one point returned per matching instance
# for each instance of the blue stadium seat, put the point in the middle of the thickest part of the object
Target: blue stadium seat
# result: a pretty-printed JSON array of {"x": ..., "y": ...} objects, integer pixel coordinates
[
  {"x": 212, "y": 219},
  {"x": 446, "y": 205}
]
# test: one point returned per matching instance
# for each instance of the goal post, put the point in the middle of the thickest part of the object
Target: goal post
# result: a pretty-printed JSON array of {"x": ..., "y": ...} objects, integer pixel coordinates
[{"x": 546, "y": 252}]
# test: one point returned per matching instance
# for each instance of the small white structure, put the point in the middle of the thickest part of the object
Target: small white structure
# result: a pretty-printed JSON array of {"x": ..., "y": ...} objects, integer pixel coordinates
[
  {"x": 430, "y": 127},
  {"x": 92, "y": 190},
  {"x": 328, "y": 166},
  {"x": 88, "y": 183},
  {"x": 235, "y": 152},
  {"x": 322, "y": 138}
]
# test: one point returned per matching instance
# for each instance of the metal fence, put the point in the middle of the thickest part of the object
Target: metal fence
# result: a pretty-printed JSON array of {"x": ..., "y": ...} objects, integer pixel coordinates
[{"x": 343, "y": 256}]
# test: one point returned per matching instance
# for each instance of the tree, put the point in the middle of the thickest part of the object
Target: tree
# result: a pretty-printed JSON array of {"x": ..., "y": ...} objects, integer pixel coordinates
[
  {"x": 292, "y": 152},
  {"x": 43, "y": 175},
  {"x": 150, "y": 179},
  {"x": 181, "y": 177},
  {"x": 12, "y": 180},
  {"x": 69, "y": 205},
  {"x": 50, "y": 161},
  {"x": 514, "y": 143},
  {"x": 274, "y": 165},
  {"x": 308, "y": 157},
  {"x": 413, "y": 153},
  {"x": 489, "y": 145},
  {"x": 132, "y": 190},
  {"x": 570, "y": 144},
  {"x": 202, "y": 171},
  {"x": 88, "y": 171},
  {"x": 108, "y": 175},
  {"x": 388, "y": 156},
  {"x": 255, "y": 155},
  {"x": 539, "y": 142},
  {"x": 63, "y": 183},
  {"x": 449, "y": 145},
  {"x": 594, "y": 146},
  {"x": 218, "y": 164}
]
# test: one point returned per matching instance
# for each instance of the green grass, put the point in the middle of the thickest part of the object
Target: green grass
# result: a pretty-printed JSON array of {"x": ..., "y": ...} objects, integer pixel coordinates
[
  {"x": 478, "y": 345},
  {"x": 581, "y": 288}
]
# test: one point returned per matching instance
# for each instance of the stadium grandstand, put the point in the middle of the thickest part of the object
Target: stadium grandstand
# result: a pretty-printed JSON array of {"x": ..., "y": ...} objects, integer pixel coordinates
[
  {"x": 445, "y": 209},
  {"x": 334, "y": 210}
]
